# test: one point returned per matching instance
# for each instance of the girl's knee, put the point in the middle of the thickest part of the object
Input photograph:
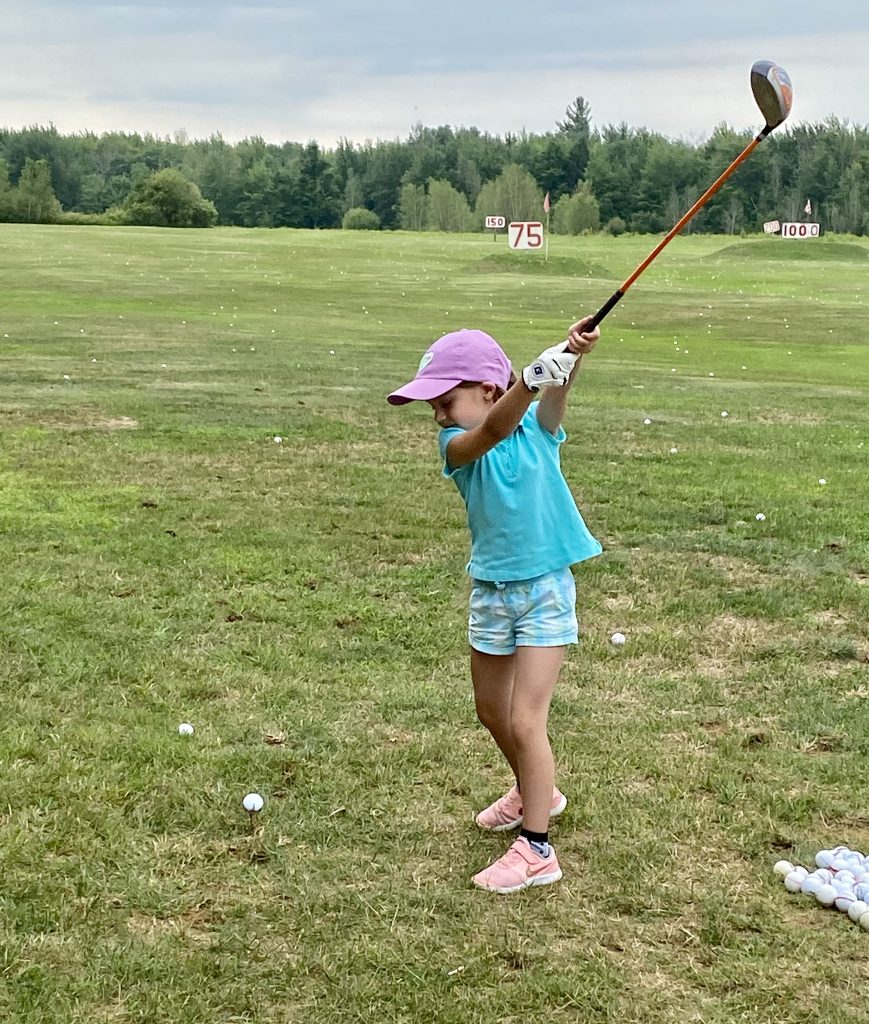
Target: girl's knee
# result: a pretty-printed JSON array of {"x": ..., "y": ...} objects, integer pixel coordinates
[
  {"x": 528, "y": 730},
  {"x": 491, "y": 715}
]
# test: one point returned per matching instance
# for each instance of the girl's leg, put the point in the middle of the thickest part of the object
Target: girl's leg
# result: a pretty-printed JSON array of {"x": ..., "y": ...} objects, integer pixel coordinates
[
  {"x": 535, "y": 676},
  {"x": 492, "y": 675}
]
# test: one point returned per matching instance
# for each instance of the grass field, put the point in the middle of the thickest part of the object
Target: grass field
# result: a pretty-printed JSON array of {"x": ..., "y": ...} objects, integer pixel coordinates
[{"x": 303, "y": 605}]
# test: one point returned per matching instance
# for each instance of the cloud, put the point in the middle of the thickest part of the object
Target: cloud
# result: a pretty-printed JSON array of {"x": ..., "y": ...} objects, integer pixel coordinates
[{"x": 340, "y": 69}]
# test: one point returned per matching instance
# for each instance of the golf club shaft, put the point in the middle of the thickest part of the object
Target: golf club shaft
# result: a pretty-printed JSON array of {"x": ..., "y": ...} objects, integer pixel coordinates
[{"x": 677, "y": 227}]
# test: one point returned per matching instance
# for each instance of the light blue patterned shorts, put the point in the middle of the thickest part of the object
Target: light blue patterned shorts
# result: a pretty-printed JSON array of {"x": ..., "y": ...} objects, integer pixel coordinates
[{"x": 539, "y": 612}]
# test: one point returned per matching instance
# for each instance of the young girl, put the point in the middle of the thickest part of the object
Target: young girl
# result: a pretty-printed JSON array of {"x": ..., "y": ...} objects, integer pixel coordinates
[{"x": 501, "y": 448}]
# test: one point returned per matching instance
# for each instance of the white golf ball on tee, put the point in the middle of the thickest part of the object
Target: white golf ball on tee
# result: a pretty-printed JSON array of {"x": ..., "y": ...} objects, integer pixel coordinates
[{"x": 252, "y": 803}]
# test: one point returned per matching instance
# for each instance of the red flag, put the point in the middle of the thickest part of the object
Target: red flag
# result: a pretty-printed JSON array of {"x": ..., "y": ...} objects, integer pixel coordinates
[
  {"x": 546, "y": 203},
  {"x": 808, "y": 207}
]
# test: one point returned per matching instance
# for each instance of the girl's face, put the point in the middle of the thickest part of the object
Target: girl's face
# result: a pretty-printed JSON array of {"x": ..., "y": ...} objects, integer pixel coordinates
[{"x": 464, "y": 407}]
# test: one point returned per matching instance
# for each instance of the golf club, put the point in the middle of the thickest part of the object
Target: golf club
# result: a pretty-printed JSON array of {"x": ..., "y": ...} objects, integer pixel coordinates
[{"x": 773, "y": 93}]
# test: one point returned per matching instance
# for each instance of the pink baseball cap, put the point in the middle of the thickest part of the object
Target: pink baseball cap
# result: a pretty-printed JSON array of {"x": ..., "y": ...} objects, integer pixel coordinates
[{"x": 464, "y": 355}]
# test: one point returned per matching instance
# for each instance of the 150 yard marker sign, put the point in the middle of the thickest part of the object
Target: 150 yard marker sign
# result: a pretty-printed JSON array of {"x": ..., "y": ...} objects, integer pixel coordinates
[{"x": 525, "y": 234}]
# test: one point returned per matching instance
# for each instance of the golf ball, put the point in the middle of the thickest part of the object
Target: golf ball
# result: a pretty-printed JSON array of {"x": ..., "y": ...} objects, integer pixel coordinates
[
  {"x": 857, "y": 909},
  {"x": 793, "y": 881},
  {"x": 844, "y": 900},
  {"x": 783, "y": 867},
  {"x": 822, "y": 482},
  {"x": 864, "y": 921},
  {"x": 186, "y": 729},
  {"x": 861, "y": 891},
  {"x": 617, "y": 639},
  {"x": 278, "y": 440},
  {"x": 760, "y": 517},
  {"x": 253, "y": 802},
  {"x": 826, "y": 895},
  {"x": 811, "y": 884},
  {"x": 647, "y": 422},
  {"x": 824, "y": 858},
  {"x": 725, "y": 414}
]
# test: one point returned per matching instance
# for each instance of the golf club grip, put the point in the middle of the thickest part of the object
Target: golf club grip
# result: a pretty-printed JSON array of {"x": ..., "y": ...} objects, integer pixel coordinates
[{"x": 602, "y": 312}]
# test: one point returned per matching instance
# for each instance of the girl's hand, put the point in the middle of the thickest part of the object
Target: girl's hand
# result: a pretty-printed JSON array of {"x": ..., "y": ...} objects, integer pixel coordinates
[{"x": 579, "y": 341}]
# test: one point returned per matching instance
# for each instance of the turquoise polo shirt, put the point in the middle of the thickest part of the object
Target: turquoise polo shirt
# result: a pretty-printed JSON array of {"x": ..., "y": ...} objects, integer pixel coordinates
[{"x": 521, "y": 514}]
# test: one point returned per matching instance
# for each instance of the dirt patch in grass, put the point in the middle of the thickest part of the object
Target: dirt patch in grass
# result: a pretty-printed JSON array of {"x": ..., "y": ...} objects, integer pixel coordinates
[
  {"x": 193, "y": 925},
  {"x": 737, "y": 633},
  {"x": 784, "y": 417},
  {"x": 84, "y": 420},
  {"x": 117, "y": 423}
]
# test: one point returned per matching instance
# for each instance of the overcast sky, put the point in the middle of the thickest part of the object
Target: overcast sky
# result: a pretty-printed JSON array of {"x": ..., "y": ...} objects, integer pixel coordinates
[{"x": 328, "y": 69}]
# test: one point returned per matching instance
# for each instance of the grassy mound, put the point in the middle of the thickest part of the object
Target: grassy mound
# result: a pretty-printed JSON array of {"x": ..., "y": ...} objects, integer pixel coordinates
[
  {"x": 534, "y": 263},
  {"x": 792, "y": 249}
]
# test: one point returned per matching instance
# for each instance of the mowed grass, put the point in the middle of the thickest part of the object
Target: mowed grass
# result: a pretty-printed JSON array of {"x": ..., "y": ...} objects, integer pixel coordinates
[{"x": 303, "y": 605}]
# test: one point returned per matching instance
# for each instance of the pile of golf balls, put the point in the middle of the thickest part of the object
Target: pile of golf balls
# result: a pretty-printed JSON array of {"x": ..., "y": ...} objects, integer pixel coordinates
[{"x": 840, "y": 880}]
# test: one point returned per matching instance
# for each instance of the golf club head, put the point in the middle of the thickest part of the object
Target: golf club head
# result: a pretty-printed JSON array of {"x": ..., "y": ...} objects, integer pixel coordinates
[{"x": 772, "y": 90}]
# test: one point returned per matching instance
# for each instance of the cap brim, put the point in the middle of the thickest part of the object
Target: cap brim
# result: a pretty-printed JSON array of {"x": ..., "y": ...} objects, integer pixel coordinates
[{"x": 421, "y": 389}]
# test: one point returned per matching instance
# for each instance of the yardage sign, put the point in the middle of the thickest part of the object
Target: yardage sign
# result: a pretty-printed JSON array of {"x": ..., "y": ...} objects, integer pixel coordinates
[
  {"x": 789, "y": 230},
  {"x": 525, "y": 234},
  {"x": 496, "y": 222},
  {"x": 772, "y": 227}
]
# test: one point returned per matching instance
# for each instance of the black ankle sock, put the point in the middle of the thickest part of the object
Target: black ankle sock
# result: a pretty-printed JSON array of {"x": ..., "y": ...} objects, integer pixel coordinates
[{"x": 534, "y": 837}]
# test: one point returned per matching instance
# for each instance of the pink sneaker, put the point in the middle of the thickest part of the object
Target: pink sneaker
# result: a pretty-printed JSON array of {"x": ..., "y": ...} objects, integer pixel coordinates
[
  {"x": 519, "y": 868},
  {"x": 506, "y": 813}
]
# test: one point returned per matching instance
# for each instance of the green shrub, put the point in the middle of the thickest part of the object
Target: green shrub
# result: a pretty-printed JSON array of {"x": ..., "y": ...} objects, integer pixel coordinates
[
  {"x": 615, "y": 226},
  {"x": 360, "y": 219},
  {"x": 73, "y": 217},
  {"x": 572, "y": 215},
  {"x": 167, "y": 199}
]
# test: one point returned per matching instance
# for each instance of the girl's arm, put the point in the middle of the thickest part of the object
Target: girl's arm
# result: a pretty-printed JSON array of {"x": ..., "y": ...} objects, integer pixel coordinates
[
  {"x": 553, "y": 401},
  {"x": 549, "y": 372},
  {"x": 502, "y": 420}
]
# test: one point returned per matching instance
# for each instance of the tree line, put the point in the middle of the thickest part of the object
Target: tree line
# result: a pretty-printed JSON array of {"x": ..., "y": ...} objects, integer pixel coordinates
[{"x": 615, "y": 178}]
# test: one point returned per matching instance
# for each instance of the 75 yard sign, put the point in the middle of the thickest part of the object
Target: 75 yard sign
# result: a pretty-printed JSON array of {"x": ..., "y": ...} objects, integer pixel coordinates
[{"x": 525, "y": 234}]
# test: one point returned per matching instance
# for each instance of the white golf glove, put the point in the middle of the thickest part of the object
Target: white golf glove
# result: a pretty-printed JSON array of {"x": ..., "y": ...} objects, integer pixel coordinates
[{"x": 550, "y": 369}]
